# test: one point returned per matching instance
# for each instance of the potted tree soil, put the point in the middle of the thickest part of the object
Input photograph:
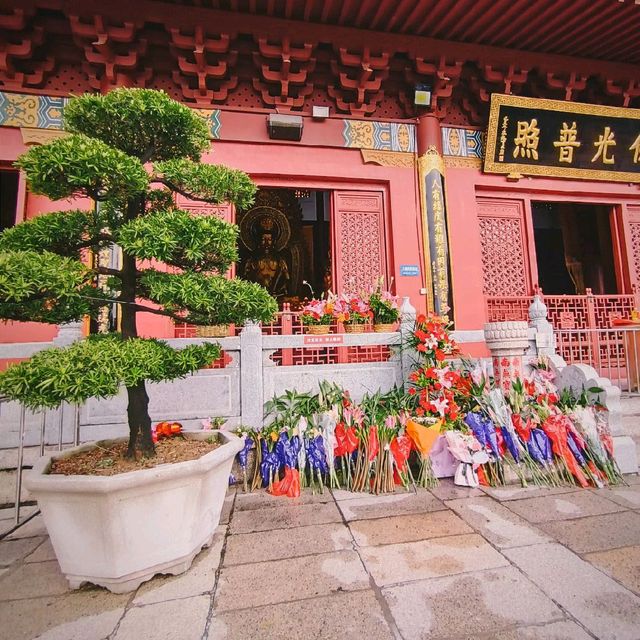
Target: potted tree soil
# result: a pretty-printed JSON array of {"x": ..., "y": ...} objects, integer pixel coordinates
[{"x": 129, "y": 151}]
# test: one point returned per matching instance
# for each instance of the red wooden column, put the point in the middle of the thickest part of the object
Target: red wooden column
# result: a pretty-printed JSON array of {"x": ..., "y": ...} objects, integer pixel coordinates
[{"x": 433, "y": 214}]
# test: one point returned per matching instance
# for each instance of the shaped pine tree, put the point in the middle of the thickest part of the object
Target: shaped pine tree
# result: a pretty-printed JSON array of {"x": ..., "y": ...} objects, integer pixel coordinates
[{"x": 129, "y": 151}]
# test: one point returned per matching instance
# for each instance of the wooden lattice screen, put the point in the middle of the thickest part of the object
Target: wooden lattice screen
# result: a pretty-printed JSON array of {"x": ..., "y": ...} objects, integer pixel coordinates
[{"x": 503, "y": 244}]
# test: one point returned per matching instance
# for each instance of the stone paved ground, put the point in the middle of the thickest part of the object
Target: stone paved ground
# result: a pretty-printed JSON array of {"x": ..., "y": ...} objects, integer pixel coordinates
[{"x": 450, "y": 563}]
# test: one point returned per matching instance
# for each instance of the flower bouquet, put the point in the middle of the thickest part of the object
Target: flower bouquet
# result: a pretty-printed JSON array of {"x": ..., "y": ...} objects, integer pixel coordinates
[
  {"x": 470, "y": 454},
  {"x": 431, "y": 338},
  {"x": 385, "y": 308},
  {"x": 317, "y": 315},
  {"x": 423, "y": 433},
  {"x": 353, "y": 312}
]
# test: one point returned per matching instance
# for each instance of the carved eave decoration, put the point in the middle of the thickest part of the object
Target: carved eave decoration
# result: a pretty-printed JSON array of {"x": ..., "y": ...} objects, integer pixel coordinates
[
  {"x": 31, "y": 136},
  {"x": 388, "y": 158}
]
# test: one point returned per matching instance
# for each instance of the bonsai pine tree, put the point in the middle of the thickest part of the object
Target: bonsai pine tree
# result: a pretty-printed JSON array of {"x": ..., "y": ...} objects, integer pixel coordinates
[{"x": 129, "y": 151}]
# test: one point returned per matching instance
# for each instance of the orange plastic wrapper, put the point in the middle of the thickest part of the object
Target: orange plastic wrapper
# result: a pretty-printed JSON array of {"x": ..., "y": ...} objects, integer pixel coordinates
[
  {"x": 557, "y": 433},
  {"x": 423, "y": 437},
  {"x": 482, "y": 477},
  {"x": 289, "y": 485}
]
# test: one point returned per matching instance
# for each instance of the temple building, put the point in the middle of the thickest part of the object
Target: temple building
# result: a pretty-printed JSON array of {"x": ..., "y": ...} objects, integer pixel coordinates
[{"x": 470, "y": 152}]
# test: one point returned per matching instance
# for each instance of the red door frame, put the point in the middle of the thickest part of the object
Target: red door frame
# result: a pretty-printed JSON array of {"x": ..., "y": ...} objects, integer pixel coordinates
[{"x": 333, "y": 185}]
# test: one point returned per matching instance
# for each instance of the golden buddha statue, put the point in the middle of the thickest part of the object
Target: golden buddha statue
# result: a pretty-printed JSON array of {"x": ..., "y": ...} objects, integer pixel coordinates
[{"x": 268, "y": 267}]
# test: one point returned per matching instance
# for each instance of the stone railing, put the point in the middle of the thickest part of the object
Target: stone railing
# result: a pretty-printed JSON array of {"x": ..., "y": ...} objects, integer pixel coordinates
[
  {"x": 235, "y": 390},
  {"x": 516, "y": 344}
]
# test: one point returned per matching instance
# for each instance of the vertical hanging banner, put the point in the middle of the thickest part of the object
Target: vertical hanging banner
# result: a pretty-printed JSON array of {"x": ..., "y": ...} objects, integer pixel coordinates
[{"x": 434, "y": 224}]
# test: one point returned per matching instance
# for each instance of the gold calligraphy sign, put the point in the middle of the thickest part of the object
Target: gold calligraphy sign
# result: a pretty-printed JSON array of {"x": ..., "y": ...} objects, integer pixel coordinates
[{"x": 561, "y": 139}]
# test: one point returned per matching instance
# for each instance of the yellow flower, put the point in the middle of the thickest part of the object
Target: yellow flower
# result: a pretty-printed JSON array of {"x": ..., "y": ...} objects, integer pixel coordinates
[{"x": 274, "y": 436}]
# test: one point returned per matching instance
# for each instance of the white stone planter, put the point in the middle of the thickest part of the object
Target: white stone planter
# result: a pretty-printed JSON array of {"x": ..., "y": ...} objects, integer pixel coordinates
[{"x": 118, "y": 531}]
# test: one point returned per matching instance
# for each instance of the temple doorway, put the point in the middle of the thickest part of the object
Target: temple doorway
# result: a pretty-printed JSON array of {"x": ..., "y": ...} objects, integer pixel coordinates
[
  {"x": 574, "y": 248},
  {"x": 285, "y": 243}
]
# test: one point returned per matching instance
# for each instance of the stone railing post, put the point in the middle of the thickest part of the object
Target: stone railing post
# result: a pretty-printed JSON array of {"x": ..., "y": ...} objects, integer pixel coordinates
[
  {"x": 543, "y": 340},
  {"x": 407, "y": 325},
  {"x": 507, "y": 342},
  {"x": 251, "y": 375},
  {"x": 68, "y": 333}
]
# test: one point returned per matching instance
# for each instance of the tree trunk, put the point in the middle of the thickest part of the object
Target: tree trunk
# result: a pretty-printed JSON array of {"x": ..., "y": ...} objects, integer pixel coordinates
[
  {"x": 138, "y": 407},
  {"x": 139, "y": 421}
]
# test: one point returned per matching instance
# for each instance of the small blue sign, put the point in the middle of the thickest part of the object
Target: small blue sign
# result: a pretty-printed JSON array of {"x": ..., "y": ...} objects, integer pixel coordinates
[{"x": 409, "y": 270}]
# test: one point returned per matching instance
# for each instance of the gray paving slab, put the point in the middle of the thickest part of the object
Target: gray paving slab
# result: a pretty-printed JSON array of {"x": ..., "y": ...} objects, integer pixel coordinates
[
  {"x": 286, "y": 543},
  {"x": 43, "y": 553},
  {"x": 88, "y": 614},
  {"x": 517, "y": 492},
  {"x": 471, "y": 603},
  {"x": 7, "y": 517},
  {"x": 283, "y": 517},
  {"x": 446, "y": 490},
  {"x": 34, "y": 527},
  {"x": 227, "y": 506},
  {"x": 622, "y": 564},
  {"x": 341, "y": 615},
  {"x": 496, "y": 523},
  {"x": 33, "y": 580},
  {"x": 13, "y": 550},
  {"x": 262, "y": 499},
  {"x": 596, "y": 533},
  {"x": 383, "y": 506},
  {"x": 395, "y": 563},
  {"x": 407, "y": 528},
  {"x": 604, "y": 607},
  {"x": 625, "y": 496},
  {"x": 563, "y": 507},
  {"x": 184, "y": 619},
  {"x": 199, "y": 579},
  {"x": 565, "y": 630},
  {"x": 252, "y": 585}
]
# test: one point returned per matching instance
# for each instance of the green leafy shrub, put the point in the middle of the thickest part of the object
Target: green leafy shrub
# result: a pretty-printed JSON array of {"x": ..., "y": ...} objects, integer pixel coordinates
[
  {"x": 46, "y": 274},
  {"x": 97, "y": 367}
]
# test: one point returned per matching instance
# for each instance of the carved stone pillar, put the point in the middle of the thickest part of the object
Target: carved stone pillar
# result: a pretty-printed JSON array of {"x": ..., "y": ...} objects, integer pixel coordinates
[
  {"x": 68, "y": 333},
  {"x": 543, "y": 341},
  {"x": 434, "y": 214},
  {"x": 251, "y": 375},
  {"x": 507, "y": 342}
]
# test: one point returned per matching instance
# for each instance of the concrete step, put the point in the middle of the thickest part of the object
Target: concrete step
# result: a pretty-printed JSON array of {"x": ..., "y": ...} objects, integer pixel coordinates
[{"x": 630, "y": 405}]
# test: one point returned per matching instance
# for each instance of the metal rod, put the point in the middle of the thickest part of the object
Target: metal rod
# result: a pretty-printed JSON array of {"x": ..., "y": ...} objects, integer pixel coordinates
[
  {"x": 43, "y": 425},
  {"x": 76, "y": 439},
  {"x": 60, "y": 426},
  {"x": 19, "y": 466}
]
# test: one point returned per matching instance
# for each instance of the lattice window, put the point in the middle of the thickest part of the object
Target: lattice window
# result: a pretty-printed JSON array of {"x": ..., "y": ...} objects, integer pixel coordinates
[
  {"x": 503, "y": 262},
  {"x": 361, "y": 260},
  {"x": 634, "y": 228},
  {"x": 359, "y": 239}
]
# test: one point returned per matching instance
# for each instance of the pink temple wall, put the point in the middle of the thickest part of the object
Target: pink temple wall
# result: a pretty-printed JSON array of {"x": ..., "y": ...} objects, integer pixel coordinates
[
  {"x": 320, "y": 161},
  {"x": 463, "y": 185}
]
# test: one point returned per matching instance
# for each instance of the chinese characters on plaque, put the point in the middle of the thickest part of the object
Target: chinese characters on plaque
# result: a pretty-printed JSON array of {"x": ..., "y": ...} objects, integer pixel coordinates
[{"x": 528, "y": 136}]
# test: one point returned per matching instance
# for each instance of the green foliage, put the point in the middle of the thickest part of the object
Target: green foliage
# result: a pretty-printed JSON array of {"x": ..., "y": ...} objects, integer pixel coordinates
[
  {"x": 81, "y": 166},
  {"x": 383, "y": 311},
  {"x": 209, "y": 182},
  {"x": 62, "y": 232},
  {"x": 160, "y": 200},
  {"x": 143, "y": 123},
  {"x": 43, "y": 287},
  {"x": 42, "y": 277},
  {"x": 96, "y": 367},
  {"x": 209, "y": 299},
  {"x": 181, "y": 239}
]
